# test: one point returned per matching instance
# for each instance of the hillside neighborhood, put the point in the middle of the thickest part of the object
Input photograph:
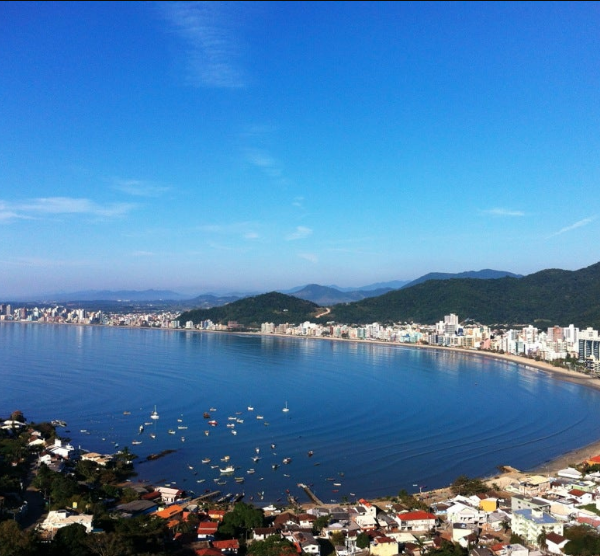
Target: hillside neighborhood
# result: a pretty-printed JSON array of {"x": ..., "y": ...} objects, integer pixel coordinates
[{"x": 510, "y": 514}]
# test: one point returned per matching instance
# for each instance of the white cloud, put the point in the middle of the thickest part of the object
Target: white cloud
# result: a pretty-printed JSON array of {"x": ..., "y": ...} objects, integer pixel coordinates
[
  {"x": 263, "y": 160},
  {"x": 36, "y": 208},
  {"x": 139, "y": 188},
  {"x": 212, "y": 43},
  {"x": 578, "y": 224},
  {"x": 311, "y": 257},
  {"x": 300, "y": 233},
  {"x": 245, "y": 230},
  {"x": 298, "y": 202},
  {"x": 503, "y": 212}
]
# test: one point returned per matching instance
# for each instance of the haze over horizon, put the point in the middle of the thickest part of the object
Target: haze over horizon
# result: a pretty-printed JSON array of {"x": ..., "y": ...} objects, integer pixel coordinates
[{"x": 202, "y": 147}]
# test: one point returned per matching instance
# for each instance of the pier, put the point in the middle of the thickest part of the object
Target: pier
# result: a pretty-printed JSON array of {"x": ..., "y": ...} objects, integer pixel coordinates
[{"x": 310, "y": 494}]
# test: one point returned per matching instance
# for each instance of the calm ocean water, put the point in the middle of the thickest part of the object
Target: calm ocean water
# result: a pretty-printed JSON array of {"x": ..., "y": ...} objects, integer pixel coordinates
[{"x": 378, "y": 418}]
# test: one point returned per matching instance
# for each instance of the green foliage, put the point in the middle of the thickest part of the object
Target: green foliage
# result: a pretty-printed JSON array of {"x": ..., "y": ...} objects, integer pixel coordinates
[
  {"x": 253, "y": 311},
  {"x": 363, "y": 540},
  {"x": 466, "y": 486},
  {"x": 14, "y": 542},
  {"x": 449, "y": 549},
  {"x": 319, "y": 524},
  {"x": 583, "y": 541},
  {"x": 273, "y": 546},
  {"x": 411, "y": 502},
  {"x": 242, "y": 518},
  {"x": 546, "y": 298},
  {"x": 70, "y": 541}
]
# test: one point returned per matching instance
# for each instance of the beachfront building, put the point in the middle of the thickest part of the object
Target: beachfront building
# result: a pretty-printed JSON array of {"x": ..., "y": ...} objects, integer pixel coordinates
[
  {"x": 416, "y": 521},
  {"x": 57, "y": 519},
  {"x": 530, "y": 524}
]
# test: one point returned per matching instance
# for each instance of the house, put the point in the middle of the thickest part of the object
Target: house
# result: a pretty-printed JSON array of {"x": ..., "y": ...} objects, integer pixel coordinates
[
  {"x": 466, "y": 531},
  {"x": 169, "y": 495},
  {"x": 416, "y": 521},
  {"x": 65, "y": 451},
  {"x": 229, "y": 546},
  {"x": 98, "y": 459},
  {"x": 171, "y": 512},
  {"x": 461, "y": 513},
  {"x": 262, "y": 533},
  {"x": 384, "y": 546},
  {"x": 216, "y": 515},
  {"x": 305, "y": 542},
  {"x": 489, "y": 505},
  {"x": 306, "y": 520},
  {"x": 207, "y": 530},
  {"x": 57, "y": 519},
  {"x": 529, "y": 524},
  {"x": 514, "y": 550},
  {"x": 555, "y": 543},
  {"x": 136, "y": 508}
]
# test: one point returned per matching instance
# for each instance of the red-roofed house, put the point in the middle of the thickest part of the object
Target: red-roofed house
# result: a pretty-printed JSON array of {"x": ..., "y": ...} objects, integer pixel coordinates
[
  {"x": 171, "y": 512},
  {"x": 595, "y": 460},
  {"x": 208, "y": 552},
  {"x": 384, "y": 546},
  {"x": 555, "y": 543},
  {"x": 416, "y": 521},
  {"x": 229, "y": 546},
  {"x": 207, "y": 530},
  {"x": 216, "y": 515},
  {"x": 581, "y": 496}
]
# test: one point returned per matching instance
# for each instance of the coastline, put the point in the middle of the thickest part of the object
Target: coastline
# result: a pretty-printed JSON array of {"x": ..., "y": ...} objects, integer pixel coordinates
[{"x": 559, "y": 373}]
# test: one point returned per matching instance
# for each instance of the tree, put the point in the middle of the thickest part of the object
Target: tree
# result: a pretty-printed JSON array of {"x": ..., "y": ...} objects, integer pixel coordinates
[
  {"x": 14, "y": 542},
  {"x": 109, "y": 544},
  {"x": 363, "y": 540},
  {"x": 70, "y": 541},
  {"x": 466, "y": 486},
  {"x": 242, "y": 518},
  {"x": 273, "y": 546},
  {"x": 541, "y": 538},
  {"x": 320, "y": 523}
]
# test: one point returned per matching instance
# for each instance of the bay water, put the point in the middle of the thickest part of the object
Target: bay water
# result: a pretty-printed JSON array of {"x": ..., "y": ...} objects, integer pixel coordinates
[{"x": 377, "y": 418}]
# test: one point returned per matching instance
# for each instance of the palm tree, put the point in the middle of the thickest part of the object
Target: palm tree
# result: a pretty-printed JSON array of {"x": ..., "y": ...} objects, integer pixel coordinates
[{"x": 541, "y": 538}]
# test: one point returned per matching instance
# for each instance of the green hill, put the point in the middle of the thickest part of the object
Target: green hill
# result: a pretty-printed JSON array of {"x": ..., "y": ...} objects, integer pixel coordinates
[
  {"x": 272, "y": 307},
  {"x": 543, "y": 299}
]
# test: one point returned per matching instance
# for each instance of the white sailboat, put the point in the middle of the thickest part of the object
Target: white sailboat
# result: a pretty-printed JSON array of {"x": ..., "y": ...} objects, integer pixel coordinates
[
  {"x": 154, "y": 414},
  {"x": 285, "y": 409}
]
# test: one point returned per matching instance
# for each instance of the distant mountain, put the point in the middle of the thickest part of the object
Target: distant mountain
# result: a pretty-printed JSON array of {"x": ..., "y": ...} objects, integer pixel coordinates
[
  {"x": 208, "y": 300},
  {"x": 326, "y": 295},
  {"x": 253, "y": 311},
  {"x": 543, "y": 299},
  {"x": 122, "y": 295},
  {"x": 486, "y": 274}
]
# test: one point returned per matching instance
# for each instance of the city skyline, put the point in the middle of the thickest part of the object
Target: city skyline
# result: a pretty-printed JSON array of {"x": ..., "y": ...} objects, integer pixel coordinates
[{"x": 224, "y": 147}]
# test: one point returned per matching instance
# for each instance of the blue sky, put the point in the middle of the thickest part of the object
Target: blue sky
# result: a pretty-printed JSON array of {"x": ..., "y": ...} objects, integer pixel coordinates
[{"x": 258, "y": 146}]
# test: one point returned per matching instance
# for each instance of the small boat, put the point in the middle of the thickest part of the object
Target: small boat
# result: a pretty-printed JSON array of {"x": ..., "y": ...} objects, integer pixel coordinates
[
  {"x": 182, "y": 427},
  {"x": 154, "y": 414},
  {"x": 126, "y": 412},
  {"x": 230, "y": 425},
  {"x": 225, "y": 458},
  {"x": 136, "y": 442},
  {"x": 228, "y": 469},
  {"x": 255, "y": 459},
  {"x": 190, "y": 466},
  {"x": 275, "y": 466},
  {"x": 238, "y": 420},
  {"x": 266, "y": 424},
  {"x": 141, "y": 429},
  {"x": 250, "y": 471},
  {"x": 206, "y": 433},
  {"x": 230, "y": 418},
  {"x": 285, "y": 409},
  {"x": 239, "y": 479},
  {"x": 287, "y": 460},
  {"x": 272, "y": 446},
  {"x": 206, "y": 460},
  {"x": 152, "y": 435},
  {"x": 171, "y": 431},
  {"x": 259, "y": 417},
  {"x": 310, "y": 453},
  {"x": 233, "y": 432},
  {"x": 257, "y": 449},
  {"x": 183, "y": 439},
  {"x": 250, "y": 408},
  {"x": 206, "y": 415},
  {"x": 212, "y": 423},
  {"x": 200, "y": 480},
  {"x": 337, "y": 484},
  {"x": 212, "y": 409},
  {"x": 180, "y": 420}
]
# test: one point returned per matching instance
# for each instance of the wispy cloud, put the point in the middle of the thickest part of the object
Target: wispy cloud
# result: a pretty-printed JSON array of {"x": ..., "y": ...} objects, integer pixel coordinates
[
  {"x": 578, "y": 224},
  {"x": 311, "y": 257},
  {"x": 139, "y": 188},
  {"x": 503, "y": 212},
  {"x": 212, "y": 42},
  {"x": 301, "y": 232},
  {"x": 43, "y": 206},
  {"x": 263, "y": 160},
  {"x": 298, "y": 202},
  {"x": 142, "y": 254},
  {"x": 245, "y": 230}
]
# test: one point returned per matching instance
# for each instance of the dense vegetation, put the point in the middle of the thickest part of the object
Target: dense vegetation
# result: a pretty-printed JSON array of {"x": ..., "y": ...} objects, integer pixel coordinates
[
  {"x": 543, "y": 299},
  {"x": 253, "y": 311}
]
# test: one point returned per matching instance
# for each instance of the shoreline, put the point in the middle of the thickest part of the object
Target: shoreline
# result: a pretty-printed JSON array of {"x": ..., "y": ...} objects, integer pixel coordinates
[{"x": 562, "y": 461}]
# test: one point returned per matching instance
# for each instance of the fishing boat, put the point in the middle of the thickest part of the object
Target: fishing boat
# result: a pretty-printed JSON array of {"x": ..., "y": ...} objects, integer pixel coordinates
[
  {"x": 152, "y": 435},
  {"x": 206, "y": 460},
  {"x": 285, "y": 409},
  {"x": 182, "y": 427},
  {"x": 250, "y": 408},
  {"x": 183, "y": 439},
  {"x": 212, "y": 423},
  {"x": 272, "y": 446},
  {"x": 239, "y": 479},
  {"x": 171, "y": 431},
  {"x": 287, "y": 460},
  {"x": 206, "y": 433},
  {"x": 275, "y": 466},
  {"x": 230, "y": 425},
  {"x": 141, "y": 429},
  {"x": 225, "y": 458},
  {"x": 206, "y": 415},
  {"x": 255, "y": 459},
  {"x": 154, "y": 414},
  {"x": 250, "y": 471},
  {"x": 234, "y": 432},
  {"x": 136, "y": 442},
  {"x": 259, "y": 417},
  {"x": 213, "y": 409},
  {"x": 310, "y": 453},
  {"x": 228, "y": 469}
]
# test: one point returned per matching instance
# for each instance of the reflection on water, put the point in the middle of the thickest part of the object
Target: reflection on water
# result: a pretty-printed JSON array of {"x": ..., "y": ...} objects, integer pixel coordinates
[{"x": 385, "y": 417}]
